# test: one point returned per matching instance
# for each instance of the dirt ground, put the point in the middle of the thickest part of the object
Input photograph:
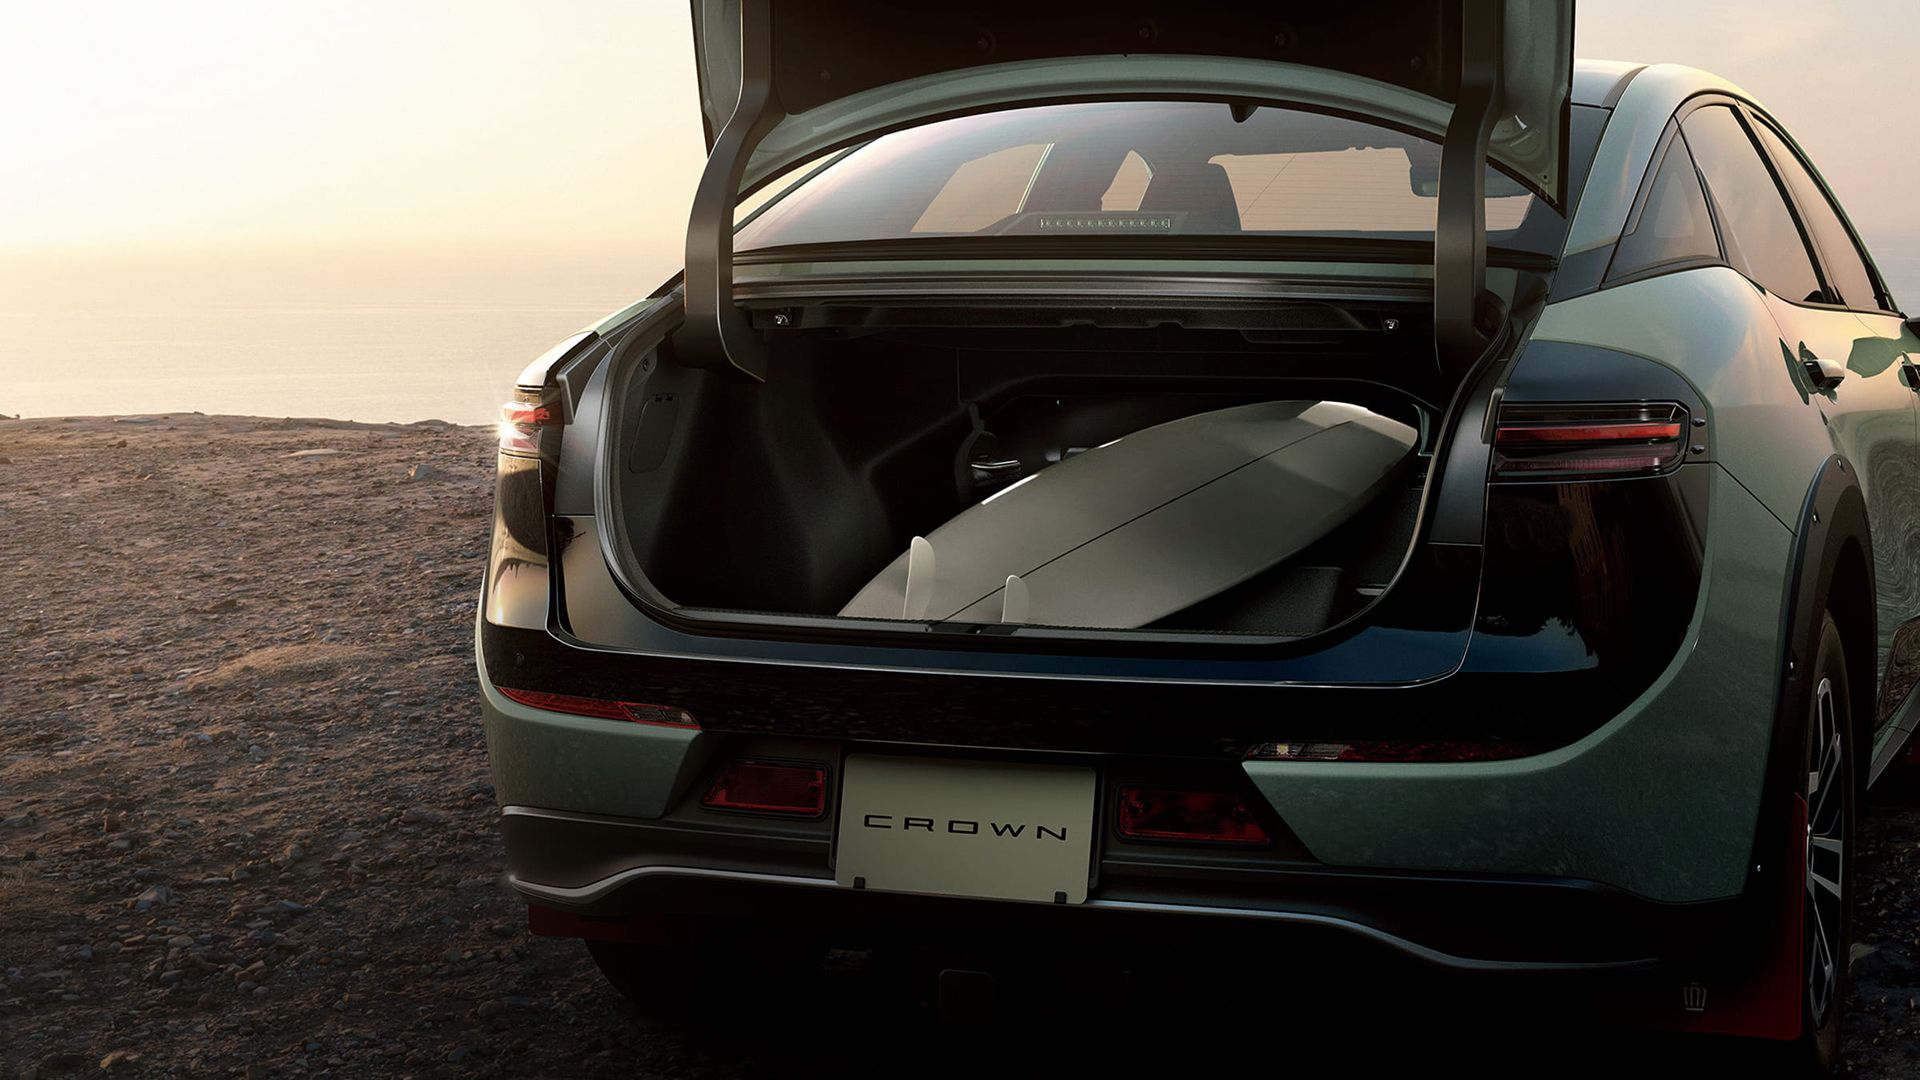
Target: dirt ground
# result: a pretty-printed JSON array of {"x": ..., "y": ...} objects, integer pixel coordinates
[{"x": 245, "y": 822}]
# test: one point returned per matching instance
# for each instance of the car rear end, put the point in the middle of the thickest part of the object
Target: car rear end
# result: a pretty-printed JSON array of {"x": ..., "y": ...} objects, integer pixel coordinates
[
  {"x": 1529, "y": 744},
  {"x": 1523, "y": 758}
]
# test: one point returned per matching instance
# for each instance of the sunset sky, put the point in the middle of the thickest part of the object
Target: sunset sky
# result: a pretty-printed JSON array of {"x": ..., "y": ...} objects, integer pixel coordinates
[{"x": 568, "y": 136}]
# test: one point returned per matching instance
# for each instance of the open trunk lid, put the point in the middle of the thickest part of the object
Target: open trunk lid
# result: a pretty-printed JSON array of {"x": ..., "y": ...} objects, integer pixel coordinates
[
  {"x": 781, "y": 83},
  {"x": 841, "y": 70}
]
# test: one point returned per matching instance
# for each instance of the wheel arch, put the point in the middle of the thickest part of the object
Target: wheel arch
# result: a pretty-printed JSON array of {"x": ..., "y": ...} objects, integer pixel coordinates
[{"x": 1832, "y": 572}]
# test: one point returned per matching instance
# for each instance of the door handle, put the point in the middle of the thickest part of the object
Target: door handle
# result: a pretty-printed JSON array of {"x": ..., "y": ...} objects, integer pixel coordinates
[
  {"x": 1910, "y": 374},
  {"x": 1825, "y": 373}
]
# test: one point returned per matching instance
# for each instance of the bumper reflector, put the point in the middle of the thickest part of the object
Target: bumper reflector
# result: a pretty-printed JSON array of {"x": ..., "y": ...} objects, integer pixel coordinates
[
  {"x": 1213, "y": 817},
  {"x": 661, "y": 715},
  {"x": 764, "y": 787}
]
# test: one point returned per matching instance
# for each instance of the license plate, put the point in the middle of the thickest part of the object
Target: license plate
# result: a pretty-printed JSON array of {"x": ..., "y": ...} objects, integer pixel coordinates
[{"x": 961, "y": 828}]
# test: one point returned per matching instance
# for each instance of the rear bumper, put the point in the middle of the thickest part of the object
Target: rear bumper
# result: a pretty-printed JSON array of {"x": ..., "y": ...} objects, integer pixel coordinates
[{"x": 606, "y": 871}]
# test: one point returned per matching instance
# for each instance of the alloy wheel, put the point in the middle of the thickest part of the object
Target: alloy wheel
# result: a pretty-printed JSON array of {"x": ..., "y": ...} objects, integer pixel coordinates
[{"x": 1825, "y": 852}]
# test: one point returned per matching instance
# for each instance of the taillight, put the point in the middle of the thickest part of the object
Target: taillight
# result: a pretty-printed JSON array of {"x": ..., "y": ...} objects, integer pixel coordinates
[
  {"x": 520, "y": 426},
  {"x": 1392, "y": 751},
  {"x": 661, "y": 715},
  {"x": 1535, "y": 442},
  {"x": 766, "y": 787},
  {"x": 1211, "y": 817}
]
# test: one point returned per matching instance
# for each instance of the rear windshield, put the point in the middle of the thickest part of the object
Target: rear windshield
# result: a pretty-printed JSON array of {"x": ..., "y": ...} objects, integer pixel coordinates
[{"x": 1144, "y": 169}]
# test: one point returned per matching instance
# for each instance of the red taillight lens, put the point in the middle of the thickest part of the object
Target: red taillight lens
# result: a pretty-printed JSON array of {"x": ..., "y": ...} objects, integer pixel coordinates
[
  {"x": 1392, "y": 751},
  {"x": 765, "y": 787},
  {"x": 662, "y": 715},
  {"x": 520, "y": 424},
  {"x": 1212, "y": 817},
  {"x": 1537, "y": 443}
]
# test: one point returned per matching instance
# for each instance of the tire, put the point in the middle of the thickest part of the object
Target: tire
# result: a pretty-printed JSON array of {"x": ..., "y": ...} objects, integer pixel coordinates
[{"x": 1829, "y": 784}]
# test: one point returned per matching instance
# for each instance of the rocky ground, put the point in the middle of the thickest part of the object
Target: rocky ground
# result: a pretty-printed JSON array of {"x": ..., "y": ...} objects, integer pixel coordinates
[{"x": 245, "y": 824}]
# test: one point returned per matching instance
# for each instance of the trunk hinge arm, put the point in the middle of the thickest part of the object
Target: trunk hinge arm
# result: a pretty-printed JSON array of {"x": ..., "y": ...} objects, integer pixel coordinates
[
  {"x": 718, "y": 335},
  {"x": 1460, "y": 234}
]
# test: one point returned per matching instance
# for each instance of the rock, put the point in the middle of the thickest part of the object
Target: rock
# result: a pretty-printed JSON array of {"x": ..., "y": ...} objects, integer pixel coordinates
[
  {"x": 20, "y": 821},
  {"x": 180, "y": 941},
  {"x": 120, "y": 843},
  {"x": 168, "y": 978},
  {"x": 224, "y": 604},
  {"x": 1872, "y": 962},
  {"x": 314, "y": 453},
  {"x": 416, "y": 815},
  {"x": 289, "y": 907},
  {"x": 490, "y": 1009},
  {"x": 154, "y": 896},
  {"x": 421, "y": 470},
  {"x": 117, "y": 1058},
  {"x": 63, "y": 1061}
]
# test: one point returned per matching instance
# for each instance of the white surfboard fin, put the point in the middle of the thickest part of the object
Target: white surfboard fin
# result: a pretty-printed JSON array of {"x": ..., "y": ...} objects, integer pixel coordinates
[
  {"x": 919, "y": 579},
  {"x": 1013, "y": 600}
]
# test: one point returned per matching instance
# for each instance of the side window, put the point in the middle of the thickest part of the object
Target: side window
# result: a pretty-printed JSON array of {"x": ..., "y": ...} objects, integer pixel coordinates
[
  {"x": 1758, "y": 229},
  {"x": 1351, "y": 191},
  {"x": 1845, "y": 265},
  {"x": 1673, "y": 225},
  {"x": 984, "y": 190},
  {"x": 1129, "y": 184}
]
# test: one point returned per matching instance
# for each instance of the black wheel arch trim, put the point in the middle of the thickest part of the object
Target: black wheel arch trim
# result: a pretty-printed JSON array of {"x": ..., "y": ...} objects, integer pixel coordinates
[{"x": 1832, "y": 545}]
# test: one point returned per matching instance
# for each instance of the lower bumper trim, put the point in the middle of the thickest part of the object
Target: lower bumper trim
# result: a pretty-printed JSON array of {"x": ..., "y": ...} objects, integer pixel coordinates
[{"x": 603, "y": 888}]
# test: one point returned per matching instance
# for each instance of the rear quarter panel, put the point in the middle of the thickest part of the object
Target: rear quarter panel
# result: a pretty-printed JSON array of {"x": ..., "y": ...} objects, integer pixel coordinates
[
  {"x": 1665, "y": 799},
  {"x": 1662, "y": 801}
]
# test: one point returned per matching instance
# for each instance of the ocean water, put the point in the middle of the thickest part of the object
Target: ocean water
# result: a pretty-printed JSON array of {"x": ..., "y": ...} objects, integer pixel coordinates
[
  {"x": 397, "y": 361},
  {"x": 391, "y": 340}
]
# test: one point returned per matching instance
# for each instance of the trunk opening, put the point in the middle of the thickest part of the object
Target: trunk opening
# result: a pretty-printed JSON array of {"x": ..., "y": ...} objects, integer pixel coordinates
[{"x": 795, "y": 496}]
